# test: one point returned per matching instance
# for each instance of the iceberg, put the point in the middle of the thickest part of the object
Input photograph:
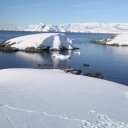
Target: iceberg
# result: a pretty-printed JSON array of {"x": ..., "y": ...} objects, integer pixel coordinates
[{"x": 60, "y": 56}]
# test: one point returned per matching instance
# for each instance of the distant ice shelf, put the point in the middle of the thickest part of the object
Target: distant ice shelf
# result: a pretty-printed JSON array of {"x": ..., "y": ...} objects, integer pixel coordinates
[{"x": 75, "y": 27}]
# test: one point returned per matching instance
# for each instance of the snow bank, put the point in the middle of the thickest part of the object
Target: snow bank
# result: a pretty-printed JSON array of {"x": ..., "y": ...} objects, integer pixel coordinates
[
  {"x": 120, "y": 40},
  {"x": 53, "y": 40},
  {"x": 54, "y": 99}
]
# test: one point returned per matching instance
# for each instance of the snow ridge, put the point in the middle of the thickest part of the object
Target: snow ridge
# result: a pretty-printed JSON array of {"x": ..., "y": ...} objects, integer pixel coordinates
[{"x": 101, "y": 120}]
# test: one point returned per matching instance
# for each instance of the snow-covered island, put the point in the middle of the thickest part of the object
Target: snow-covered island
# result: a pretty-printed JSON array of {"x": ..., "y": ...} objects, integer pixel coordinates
[
  {"x": 118, "y": 40},
  {"x": 39, "y": 42},
  {"x": 31, "y": 98},
  {"x": 121, "y": 40}
]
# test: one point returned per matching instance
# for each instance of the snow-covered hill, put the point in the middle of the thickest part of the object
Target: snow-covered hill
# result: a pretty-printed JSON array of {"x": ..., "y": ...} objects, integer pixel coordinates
[
  {"x": 75, "y": 27},
  {"x": 35, "y": 98}
]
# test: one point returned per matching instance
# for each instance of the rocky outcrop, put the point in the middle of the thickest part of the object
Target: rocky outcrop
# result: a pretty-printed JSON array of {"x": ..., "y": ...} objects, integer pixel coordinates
[{"x": 94, "y": 74}]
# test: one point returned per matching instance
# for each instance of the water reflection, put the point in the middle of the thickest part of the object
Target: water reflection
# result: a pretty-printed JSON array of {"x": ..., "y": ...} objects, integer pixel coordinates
[
  {"x": 59, "y": 58},
  {"x": 122, "y": 51},
  {"x": 35, "y": 57},
  {"x": 54, "y": 58}
]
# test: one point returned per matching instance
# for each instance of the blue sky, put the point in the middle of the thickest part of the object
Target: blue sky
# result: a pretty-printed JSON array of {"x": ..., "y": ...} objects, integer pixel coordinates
[{"x": 23, "y": 12}]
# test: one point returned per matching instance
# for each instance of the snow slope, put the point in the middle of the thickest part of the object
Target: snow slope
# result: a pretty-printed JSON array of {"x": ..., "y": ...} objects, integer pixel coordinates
[
  {"x": 53, "y": 40},
  {"x": 121, "y": 39},
  {"x": 33, "y": 98},
  {"x": 75, "y": 27}
]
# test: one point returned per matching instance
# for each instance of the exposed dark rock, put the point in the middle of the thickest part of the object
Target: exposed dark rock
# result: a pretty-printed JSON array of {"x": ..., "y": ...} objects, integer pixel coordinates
[
  {"x": 97, "y": 42},
  {"x": 7, "y": 46},
  {"x": 62, "y": 49},
  {"x": 124, "y": 45},
  {"x": 94, "y": 74},
  {"x": 32, "y": 50},
  {"x": 44, "y": 48},
  {"x": 103, "y": 41},
  {"x": 86, "y": 65},
  {"x": 5, "y": 43},
  {"x": 2, "y": 44},
  {"x": 115, "y": 44},
  {"x": 8, "y": 49},
  {"x": 73, "y": 71},
  {"x": 75, "y": 48}
]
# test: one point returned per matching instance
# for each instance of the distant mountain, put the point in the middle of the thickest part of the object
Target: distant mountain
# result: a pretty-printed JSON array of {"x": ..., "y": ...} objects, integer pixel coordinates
[{"x": 75, "y": 27}]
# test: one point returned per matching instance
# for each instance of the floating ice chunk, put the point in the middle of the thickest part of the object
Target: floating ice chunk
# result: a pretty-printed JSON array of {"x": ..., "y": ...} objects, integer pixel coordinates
[
  {"x": 60, "y": 56},
  {"x": 77, "y": 53}
]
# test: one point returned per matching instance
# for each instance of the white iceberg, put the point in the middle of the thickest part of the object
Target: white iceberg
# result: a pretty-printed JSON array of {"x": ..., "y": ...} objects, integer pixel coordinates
[
  {"x": 31, "y": 98},
  {"x": 77, "y": 53},
  {"x": 121, "y": 40},
  {"x": 60, "y": 56},
  {"x": 55, "y": 41}
]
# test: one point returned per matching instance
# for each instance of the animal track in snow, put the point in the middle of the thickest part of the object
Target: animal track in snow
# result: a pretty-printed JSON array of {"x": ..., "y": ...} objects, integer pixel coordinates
[{"x": 102, "y": 121}]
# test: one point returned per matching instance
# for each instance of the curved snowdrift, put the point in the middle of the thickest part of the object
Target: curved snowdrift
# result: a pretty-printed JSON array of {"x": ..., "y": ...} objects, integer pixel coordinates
[
  {"x": 52, "y": 98},
  {"x": 121, "y": 40},
  {"x": 55, "y": 41}
]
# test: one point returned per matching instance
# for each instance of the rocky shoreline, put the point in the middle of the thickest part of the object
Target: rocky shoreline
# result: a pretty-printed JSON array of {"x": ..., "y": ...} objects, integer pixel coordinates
[
  {"x": 106, "y": 42},
  {"x": 69, "y": 69},
  {"x": 4, "y": 47}
]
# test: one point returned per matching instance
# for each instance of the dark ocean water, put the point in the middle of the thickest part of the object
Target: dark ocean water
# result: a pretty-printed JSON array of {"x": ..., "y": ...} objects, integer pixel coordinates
[{"x": 110, "y": 61}]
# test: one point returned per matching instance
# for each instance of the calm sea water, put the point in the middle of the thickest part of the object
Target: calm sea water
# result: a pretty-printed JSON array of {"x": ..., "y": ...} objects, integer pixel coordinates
[{"x": 110, "y": 61}]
